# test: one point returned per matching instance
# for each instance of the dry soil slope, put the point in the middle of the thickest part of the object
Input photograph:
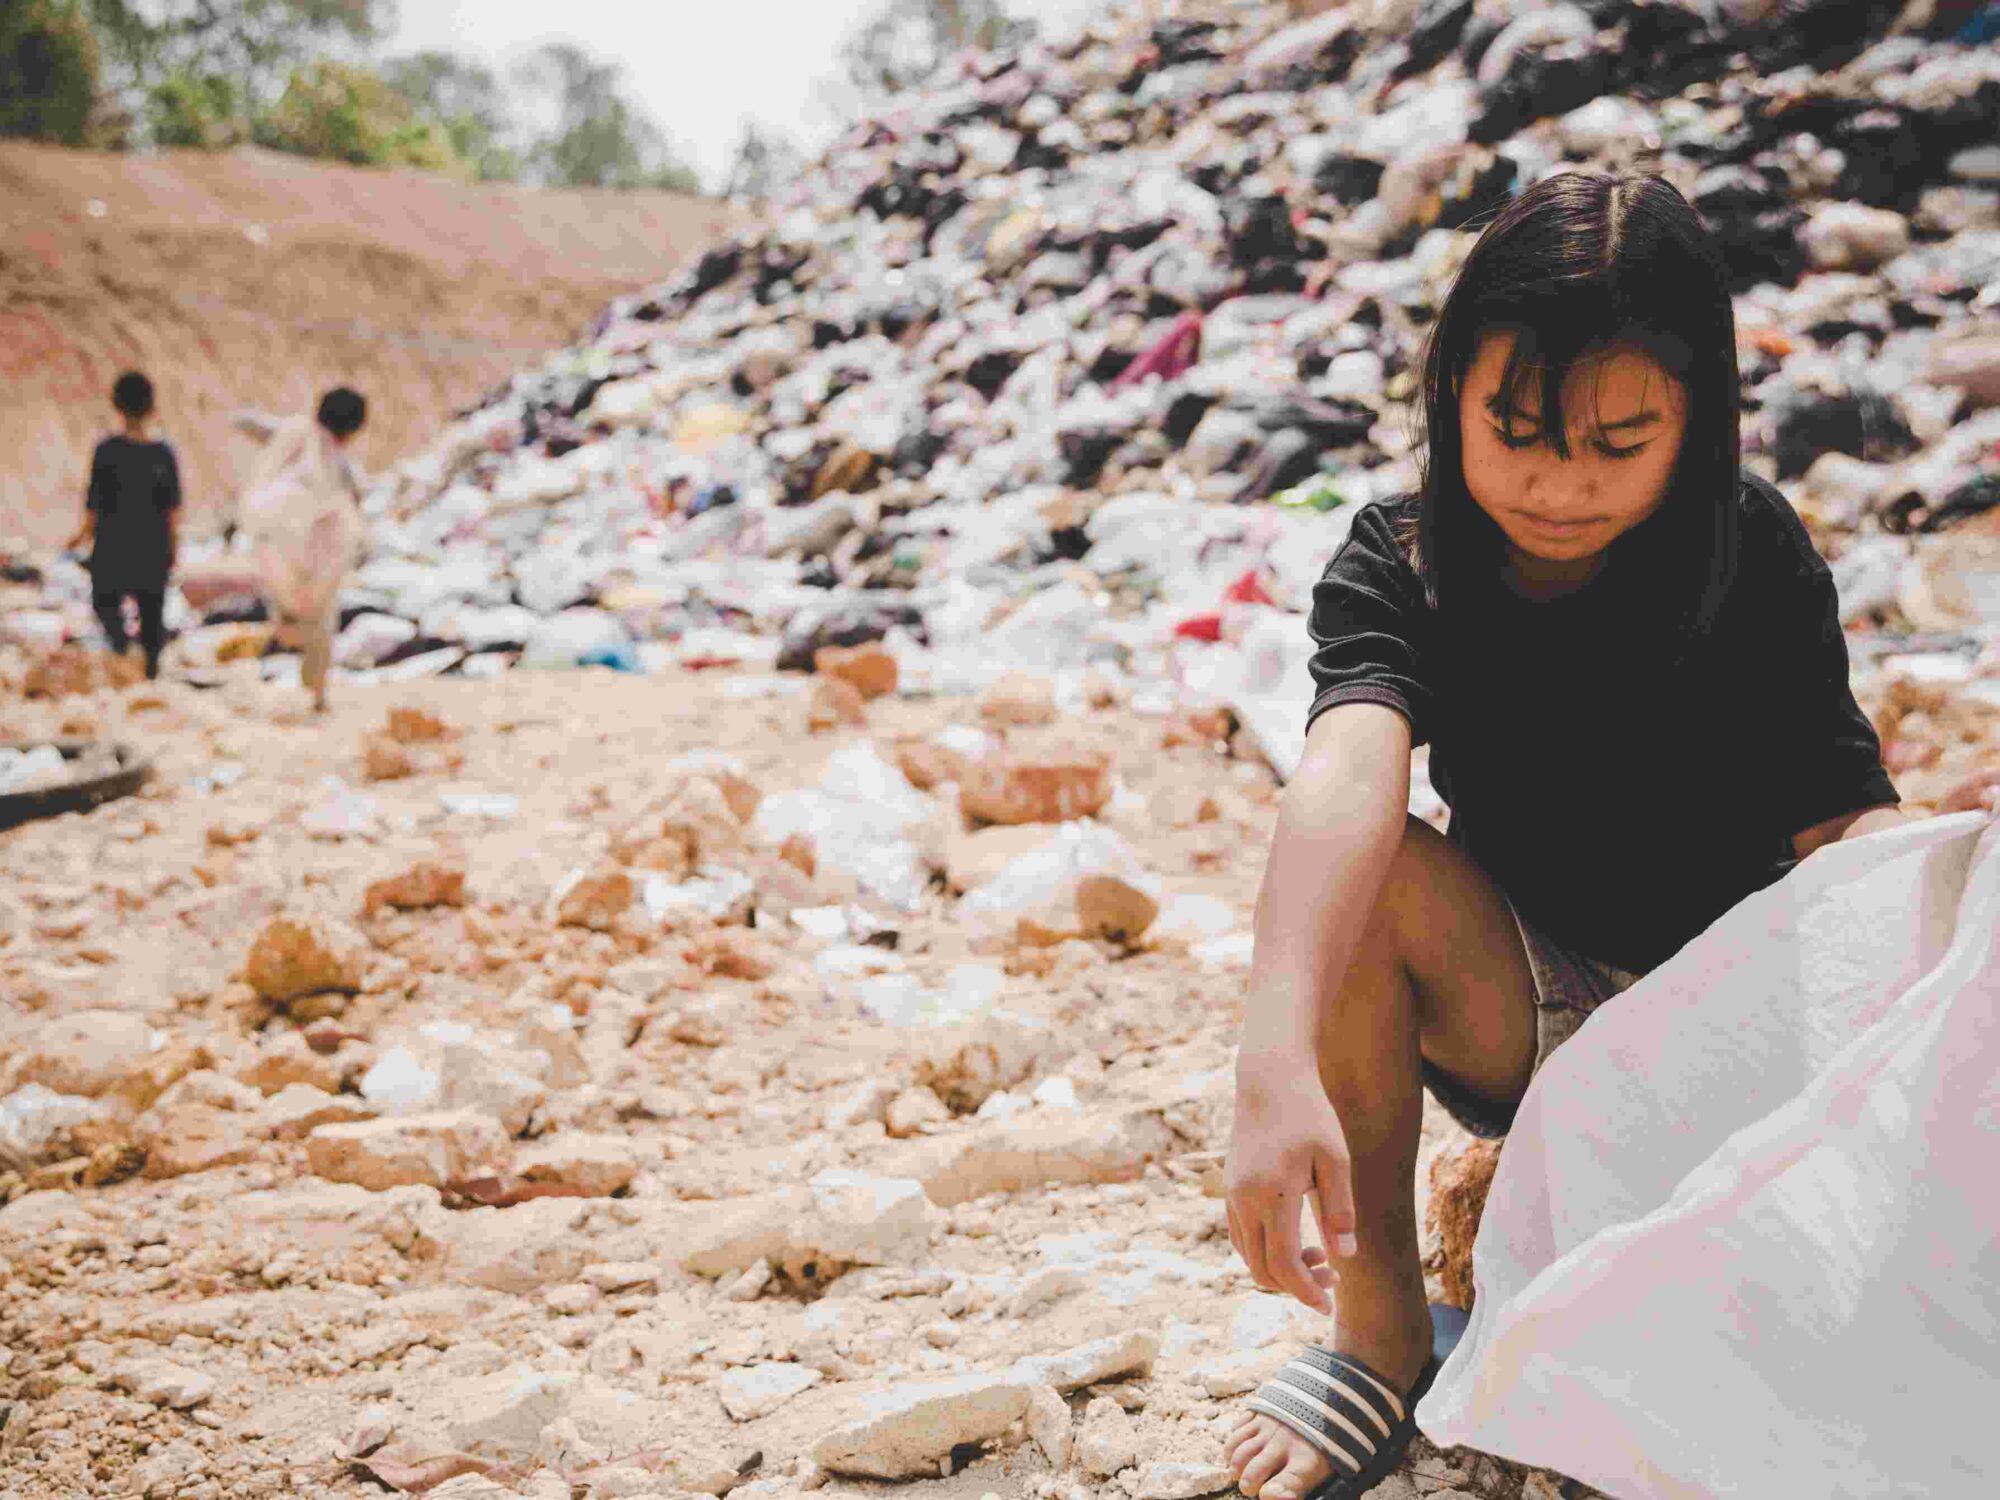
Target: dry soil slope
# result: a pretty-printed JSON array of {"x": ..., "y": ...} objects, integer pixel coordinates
[{"x": 250, "y": 278}]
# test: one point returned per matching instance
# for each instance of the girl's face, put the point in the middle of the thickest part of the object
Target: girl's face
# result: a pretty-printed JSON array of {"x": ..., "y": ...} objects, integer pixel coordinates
[{"x": 1626, "y": 417}]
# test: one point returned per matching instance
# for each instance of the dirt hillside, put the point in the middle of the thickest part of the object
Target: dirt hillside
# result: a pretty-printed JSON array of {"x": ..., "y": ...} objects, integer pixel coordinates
[{"x": 253, "y": 279}]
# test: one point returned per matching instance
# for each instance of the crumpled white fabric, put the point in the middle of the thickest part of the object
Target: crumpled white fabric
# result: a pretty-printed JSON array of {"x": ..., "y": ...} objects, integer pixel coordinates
[{"x": 1745, "y": 1236}]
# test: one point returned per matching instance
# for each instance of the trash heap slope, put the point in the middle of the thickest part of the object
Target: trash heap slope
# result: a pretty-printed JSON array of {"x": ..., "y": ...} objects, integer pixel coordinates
[{"x": 1103, "y": 301}]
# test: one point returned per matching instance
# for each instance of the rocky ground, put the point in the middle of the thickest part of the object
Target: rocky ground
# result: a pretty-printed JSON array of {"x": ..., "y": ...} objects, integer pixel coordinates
[
  {"x": 789, "y": 1242},
  {"x": 471, "y": 1090}
]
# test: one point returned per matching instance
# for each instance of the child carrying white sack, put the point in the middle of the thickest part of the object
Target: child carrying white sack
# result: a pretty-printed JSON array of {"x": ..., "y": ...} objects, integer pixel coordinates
[{"x": 1744, "y": 1238}]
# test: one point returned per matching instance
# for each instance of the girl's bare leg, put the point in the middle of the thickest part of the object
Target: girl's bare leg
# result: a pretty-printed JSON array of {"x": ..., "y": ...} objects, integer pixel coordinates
[{"x": 1441, "y": 973}]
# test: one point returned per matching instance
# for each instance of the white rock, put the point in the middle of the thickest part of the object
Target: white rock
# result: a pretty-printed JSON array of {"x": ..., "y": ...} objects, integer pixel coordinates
[
  {"x": 1048, "y": 1425},
  {"x": 750, "y": 1285},
  {"x": 164, "y": 1383},
  {"x": 868, "y": 1100},
  {"x": 1045, "y": 1287},
  {"x": 1183, "y": 1481},
  {"x": 1222, "y": 1378},
  {"x": 298, "y": 1109},
  {"x": 622, "y": 1276},
  {"x": 428, "y": 1150},
  {"x": 1106, "y": 1440},
  {"x": 1087, "y": 1364},
  {"x": 909, "y": 1428},
  {"x": 868, "y": 1220},
  {"x": 493, "y": 1082},
  {"x": 502, "y": 1415},
  {"x": 1265, "y": 1319},
  {"x": 84, "y": 1053},
  {"x": 754, "y": 1391}
]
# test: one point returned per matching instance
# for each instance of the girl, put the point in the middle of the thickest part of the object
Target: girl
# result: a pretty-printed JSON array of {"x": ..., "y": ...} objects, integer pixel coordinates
[
  {"x": 129, "y": 518},
  {"x": 1628, "y": 660}
]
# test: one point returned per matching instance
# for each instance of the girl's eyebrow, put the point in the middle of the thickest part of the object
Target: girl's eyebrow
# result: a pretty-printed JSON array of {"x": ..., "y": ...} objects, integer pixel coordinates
[{"x": 1638, "y": 419}]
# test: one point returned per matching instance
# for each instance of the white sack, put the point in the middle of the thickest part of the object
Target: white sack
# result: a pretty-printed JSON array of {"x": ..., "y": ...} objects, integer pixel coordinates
[{"x": 1745, "y": 1235}]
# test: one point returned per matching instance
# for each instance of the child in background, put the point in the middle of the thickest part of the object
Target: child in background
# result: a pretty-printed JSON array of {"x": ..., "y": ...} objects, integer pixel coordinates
[{"x": 130, "y": 518}]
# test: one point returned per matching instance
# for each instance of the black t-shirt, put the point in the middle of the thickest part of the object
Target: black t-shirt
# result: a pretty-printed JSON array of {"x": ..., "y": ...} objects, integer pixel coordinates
[
  {"x": 1623, "y": 795},
  {"x": 133, "y": 487}
]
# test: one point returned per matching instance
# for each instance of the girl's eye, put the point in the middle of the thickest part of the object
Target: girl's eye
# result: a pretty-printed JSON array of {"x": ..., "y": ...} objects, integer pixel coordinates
[{"x": 1516, "y": 441}]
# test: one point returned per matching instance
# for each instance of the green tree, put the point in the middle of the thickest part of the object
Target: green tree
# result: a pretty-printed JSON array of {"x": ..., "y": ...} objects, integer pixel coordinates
[
  {"x": 198, "y": 110},
  {"x": 252, "y": 45},
  {"x": 346, "y": 113},
  {"x": 905, "y": 41},
  {"x": 465, "y": 99},
  {"x": 48, "y": 71},
  {"x": 600, "y": 139}
]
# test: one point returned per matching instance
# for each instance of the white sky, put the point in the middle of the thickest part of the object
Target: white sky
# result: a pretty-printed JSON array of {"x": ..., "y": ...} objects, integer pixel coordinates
[{"x": 699, "y": 67}]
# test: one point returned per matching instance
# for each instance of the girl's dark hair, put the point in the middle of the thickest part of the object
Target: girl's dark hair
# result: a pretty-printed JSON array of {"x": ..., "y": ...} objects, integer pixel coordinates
[
  {"x": 132, "y": 394},
  {"x": 1578, "y": 264},
  {"x": 342, "y": 411}
]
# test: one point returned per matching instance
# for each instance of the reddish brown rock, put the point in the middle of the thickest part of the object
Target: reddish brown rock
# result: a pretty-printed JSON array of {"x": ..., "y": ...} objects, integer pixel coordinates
[
  {"x": 730, "y": 953},
  {"x": 926, "y": 764},
  {"x": 290, "y": 960},
  {"x": 1018, "y": 699},
  {"x": 413, "y": 726},
  {"x": 695, "y": 823},
  {"x": 834, "y": 702},
  {"x": 423, "y": 885},
  {"x": 385, "y": 760},
  {"x": 1107, "y": 907},
  {"x": 870, "y": 668},
  {"x": 197, "y": 1138},
  {"x": 797, "y": 851},
  {"x": 1460, "y": 1180},
  {"x": 1016, "y": 789},
  {"x": 596, "y": 901}
]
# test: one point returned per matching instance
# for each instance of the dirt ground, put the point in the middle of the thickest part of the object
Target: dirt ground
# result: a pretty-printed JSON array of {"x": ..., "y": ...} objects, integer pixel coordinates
[
  {"x": 230, "y": 1322},
  {"x": 253, "y": 279}
]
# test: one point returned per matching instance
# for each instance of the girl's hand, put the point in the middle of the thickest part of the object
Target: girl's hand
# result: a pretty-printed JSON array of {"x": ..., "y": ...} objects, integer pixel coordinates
[
  {"x": 1286, "y": 1148},
  {"x": 1979, "y": 790}
]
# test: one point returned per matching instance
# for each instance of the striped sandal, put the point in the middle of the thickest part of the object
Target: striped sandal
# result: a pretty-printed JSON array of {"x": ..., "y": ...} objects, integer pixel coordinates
[{"x": 1352, "y": 1415}]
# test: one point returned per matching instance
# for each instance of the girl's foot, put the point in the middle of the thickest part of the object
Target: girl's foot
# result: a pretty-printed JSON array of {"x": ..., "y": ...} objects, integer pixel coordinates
[{"x": 1270, "y": 1460}]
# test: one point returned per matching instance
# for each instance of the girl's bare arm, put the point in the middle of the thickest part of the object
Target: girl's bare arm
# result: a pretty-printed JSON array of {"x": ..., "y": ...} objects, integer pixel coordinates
[{"x": 1339, "y": 826}]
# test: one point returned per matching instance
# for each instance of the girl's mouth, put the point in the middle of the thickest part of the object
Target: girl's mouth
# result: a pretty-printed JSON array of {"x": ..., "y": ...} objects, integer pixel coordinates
[{"x": 1557, "y": 528}]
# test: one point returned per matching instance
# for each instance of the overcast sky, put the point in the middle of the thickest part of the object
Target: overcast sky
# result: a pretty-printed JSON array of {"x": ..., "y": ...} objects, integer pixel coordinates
[{"x": 700, "y": 67}]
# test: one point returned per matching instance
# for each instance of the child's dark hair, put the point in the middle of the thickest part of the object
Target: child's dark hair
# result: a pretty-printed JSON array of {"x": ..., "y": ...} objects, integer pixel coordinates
[
  {"x": 1578, "y": 264},
  {"x": 342, "y": 411},
  {"x": 132, "y": 394}
]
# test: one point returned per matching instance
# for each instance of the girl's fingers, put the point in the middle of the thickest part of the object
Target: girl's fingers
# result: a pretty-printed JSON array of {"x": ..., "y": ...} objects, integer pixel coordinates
[
  {"x": 1253, "y": 1253},
  {"x": 1333, "y": 1201},
  {"x": 1287, "y": 1266}
]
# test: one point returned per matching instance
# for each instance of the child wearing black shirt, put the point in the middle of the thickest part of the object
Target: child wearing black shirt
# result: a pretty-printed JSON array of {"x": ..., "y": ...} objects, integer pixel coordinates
[
  {"x": 1628, "y": 661},
  {"x": 131, "y": 511}
]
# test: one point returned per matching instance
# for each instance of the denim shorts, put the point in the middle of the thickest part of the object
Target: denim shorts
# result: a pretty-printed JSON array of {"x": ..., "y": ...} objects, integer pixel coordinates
[{"x": 1568, "y": 987}]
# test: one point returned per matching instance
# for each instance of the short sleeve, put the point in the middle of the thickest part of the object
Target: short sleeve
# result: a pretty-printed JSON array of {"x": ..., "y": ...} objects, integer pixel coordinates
[
  {"x": 1826, "y": 758},
  {"x": 100, "y": 480},
  {"x": 169, "y": 495},
  {"x": 1367, "y": 624}
]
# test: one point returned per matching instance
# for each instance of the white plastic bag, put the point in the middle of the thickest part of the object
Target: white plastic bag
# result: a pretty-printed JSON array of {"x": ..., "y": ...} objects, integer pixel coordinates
[{"x": 1745, "y": 1235}]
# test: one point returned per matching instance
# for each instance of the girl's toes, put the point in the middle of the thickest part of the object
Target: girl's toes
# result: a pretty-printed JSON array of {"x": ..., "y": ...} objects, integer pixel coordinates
[
  {"x": 1240, "y": 1450},
  {"x": 1304, "y": 1469},
  {"x": 1237, "y": 1446},
  {"x": 1262, "y": 1466}
]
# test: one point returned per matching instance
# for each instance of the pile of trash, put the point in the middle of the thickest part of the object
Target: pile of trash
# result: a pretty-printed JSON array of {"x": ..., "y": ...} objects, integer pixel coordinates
[{"x": 1085, "y": 357}]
